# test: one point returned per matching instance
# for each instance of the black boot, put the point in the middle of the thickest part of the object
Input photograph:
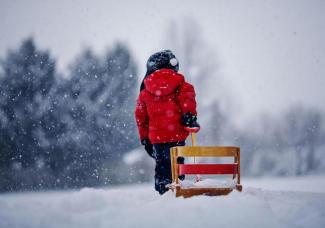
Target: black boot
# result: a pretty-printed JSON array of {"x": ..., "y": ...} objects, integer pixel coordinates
[{"x": 161, "y": 186}]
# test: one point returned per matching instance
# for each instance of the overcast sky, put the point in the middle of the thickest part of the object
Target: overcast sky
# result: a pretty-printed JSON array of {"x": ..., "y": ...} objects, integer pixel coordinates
[{"x": 271, "y": 52}]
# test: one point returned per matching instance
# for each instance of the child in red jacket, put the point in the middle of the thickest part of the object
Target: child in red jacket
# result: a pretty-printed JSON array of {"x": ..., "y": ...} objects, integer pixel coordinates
[{"x": 165, "y": 113}]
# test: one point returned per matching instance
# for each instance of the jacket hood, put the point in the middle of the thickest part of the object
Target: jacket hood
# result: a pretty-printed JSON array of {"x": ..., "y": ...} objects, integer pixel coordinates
[{"x": 163, "y": 82}]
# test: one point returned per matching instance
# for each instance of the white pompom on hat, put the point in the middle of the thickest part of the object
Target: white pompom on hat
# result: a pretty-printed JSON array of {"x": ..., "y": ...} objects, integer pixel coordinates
[{"x": 173, "y": 61}]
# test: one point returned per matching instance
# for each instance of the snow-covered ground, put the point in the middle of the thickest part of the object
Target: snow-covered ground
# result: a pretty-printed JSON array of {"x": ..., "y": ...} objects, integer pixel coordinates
[{"x": 267, "y": 202}]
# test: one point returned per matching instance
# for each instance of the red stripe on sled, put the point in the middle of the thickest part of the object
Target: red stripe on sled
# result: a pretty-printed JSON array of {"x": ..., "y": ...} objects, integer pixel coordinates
[{"x": 207, "y": 169}]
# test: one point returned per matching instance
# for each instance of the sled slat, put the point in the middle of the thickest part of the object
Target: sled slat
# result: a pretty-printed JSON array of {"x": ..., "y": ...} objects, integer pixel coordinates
[
  {"x": 207, "y": 169},
  {"x": 205, "y": 151},
  {"x": 189, "y": 192}
]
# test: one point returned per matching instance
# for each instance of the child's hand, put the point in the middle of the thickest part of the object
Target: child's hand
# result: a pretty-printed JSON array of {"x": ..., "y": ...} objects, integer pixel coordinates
[
  {"x": 148, "y": 147},
  {"x": 190, "y": 122}
]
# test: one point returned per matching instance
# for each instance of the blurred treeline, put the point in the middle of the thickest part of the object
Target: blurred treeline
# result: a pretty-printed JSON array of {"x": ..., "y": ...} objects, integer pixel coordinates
[{"x": 65, "y": 131}]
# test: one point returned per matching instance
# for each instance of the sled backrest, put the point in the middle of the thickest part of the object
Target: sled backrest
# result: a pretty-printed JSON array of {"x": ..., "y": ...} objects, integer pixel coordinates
[{"x": 206, "y": 169}]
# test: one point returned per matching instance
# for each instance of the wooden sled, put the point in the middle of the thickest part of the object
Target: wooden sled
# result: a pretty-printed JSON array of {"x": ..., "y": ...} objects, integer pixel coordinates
[{"x": 204, "y": 169}]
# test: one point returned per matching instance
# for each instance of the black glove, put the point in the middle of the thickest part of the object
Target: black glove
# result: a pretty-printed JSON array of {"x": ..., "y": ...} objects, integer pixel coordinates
[
  {"x": 148, "y": 147},
  {"x": 190, "y": 122}
]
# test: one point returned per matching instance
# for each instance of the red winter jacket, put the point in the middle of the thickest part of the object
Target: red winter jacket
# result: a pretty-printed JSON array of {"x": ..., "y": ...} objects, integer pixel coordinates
[{"x": 161, "y": 104}]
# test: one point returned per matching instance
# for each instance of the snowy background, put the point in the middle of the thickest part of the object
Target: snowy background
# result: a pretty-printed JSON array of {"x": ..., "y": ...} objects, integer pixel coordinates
[{"x": 69, "y": 76}]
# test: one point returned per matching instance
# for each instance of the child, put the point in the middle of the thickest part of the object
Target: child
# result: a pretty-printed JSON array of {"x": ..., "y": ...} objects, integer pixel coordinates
[{"x": 165, "y": 113}]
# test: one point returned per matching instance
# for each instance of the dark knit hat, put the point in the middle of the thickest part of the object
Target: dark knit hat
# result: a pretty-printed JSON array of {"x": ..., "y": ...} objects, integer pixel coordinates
[
  {"x": 163, "y": 59},
  {"x": 160, "y": 60}
]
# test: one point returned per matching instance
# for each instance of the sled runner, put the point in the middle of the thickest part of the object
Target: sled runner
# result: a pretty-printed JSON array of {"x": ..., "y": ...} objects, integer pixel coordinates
[{"x": 204, "y": 169}]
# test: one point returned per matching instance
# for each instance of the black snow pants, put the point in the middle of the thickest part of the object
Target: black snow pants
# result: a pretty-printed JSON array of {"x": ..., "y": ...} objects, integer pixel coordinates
[{"x": 163, "y": 173}]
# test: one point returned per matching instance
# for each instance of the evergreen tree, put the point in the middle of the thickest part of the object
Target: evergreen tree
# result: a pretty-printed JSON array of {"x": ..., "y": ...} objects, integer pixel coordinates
[
  {"x": 103, "y": 92},
  {"x": 120, "y": 100},
  {"x": 84, "y": 132},
  {"x": 25, "y": 87}
]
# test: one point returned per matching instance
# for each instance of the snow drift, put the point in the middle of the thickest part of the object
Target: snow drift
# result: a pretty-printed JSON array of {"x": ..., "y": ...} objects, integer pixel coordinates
[{"x": 140, "y": 206}]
